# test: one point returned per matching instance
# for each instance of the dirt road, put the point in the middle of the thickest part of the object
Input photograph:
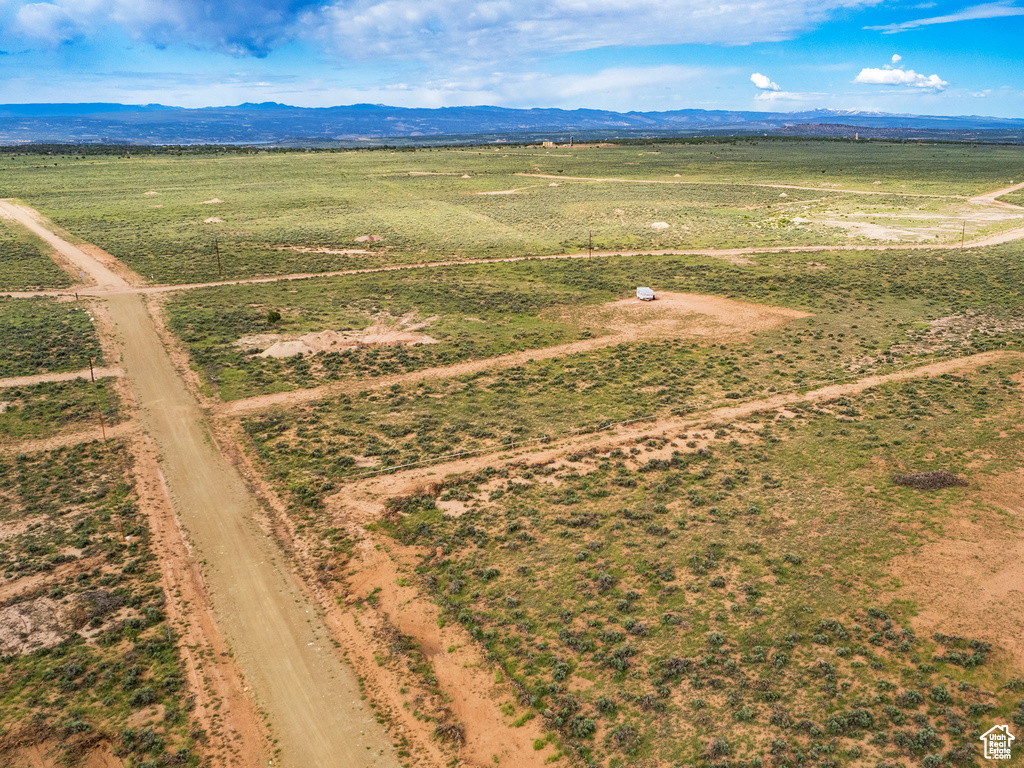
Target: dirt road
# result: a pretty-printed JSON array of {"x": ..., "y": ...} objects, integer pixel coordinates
[
  {"x": 25, "y": 381},
  {"x": 89, "y": 269},
  {"x": 312, "y": 698},
  {"x": 745, "y": 184},
  {"x": 992, "y": 198},
  {"x": 404, "y": 481}
]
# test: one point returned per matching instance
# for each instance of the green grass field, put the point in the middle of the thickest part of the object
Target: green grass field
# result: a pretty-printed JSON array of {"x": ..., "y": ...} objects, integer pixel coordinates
[
  {"x": 44, "y": 409},
  {"x": 281, "y": 211},
  {"x": 70, "y": 339},
  {"x": 23, "y": 263}
]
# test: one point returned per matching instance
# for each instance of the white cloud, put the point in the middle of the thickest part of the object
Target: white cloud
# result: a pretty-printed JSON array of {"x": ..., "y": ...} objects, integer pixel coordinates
[
  {"x": 985, "y": 11},
  {"x": 908, "y": 77},
  {"x": 46, "y": 21},
  {"x": 497, "y": 29},
  {"x": 896, "y": 59},
  {"x": 763, "y": 82}
]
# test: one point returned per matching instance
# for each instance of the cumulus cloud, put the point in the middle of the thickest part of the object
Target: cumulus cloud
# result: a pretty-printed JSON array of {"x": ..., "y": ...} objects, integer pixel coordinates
[
  {"x": 764, "y": 82},
  {"x": 896, "y": 59},
  {"x": 985, "y": 11},
  {"x": 489, "y": 30},
  {"x": 908, "y": 77}
]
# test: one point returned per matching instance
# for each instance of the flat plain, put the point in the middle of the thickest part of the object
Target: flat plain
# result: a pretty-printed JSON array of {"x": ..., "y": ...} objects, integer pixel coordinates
[{"x": 771, "y": 518}]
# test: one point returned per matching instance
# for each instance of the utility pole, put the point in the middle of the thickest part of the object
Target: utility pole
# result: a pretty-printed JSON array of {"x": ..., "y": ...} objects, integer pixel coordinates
[
  {"x": 216, "y": 246},
  {"x": 963, "y": 232},
  {"x": 590, "y": 245},
  {"x": 103, "y": 427},
  {"x": 92, "y": 375}
]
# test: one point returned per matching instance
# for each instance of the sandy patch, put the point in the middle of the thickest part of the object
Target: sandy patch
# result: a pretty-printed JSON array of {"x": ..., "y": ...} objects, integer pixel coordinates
[
  {"x": 99, "y": 753},
  {"x": 683, "y": 314},
  {"x": 39, "y": 623},
  {"x": 660, "y": 225},
  {"x": 970, "y": 582},
  {"x": 368, "y": 239},
  {"x": 214, "y": 220},
  {"x": 212, "y": 201},
  {"x": 151, "y": 192},
  {"x": 499, "y": 192},
  {"x": 336, "y": 251},
  {"x": 385, "y": 331}
]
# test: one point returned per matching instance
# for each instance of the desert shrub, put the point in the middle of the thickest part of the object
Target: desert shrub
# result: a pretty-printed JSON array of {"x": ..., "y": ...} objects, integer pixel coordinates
[{"x": 929, "y": 481}]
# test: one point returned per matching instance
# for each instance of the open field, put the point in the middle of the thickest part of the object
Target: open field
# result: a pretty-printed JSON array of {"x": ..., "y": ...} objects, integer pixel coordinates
[
  {"x": 869, "y": 309},
  {"x": 280, "y": 213},
  {"x": 40, "y": 336},
  {"x": 44, "y": 409},
  {"x": 802, "y": 548},
  {"x": 23, "y": 264},
  {"x": 90, "y": 665},
  {"x": 731, "y": 592}
]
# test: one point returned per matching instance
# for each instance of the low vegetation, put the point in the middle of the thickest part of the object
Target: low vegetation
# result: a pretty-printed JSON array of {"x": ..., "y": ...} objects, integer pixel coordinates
[
  {"x": 721, "y": 596},
  {"x": 870, "y": 310},
  {"x": 88, "y": 655},
  {"x": 43, "y": 409},
  {"x": 169, "y": 215},
  {"x": 23, "y": 264},
  {"x": 70, "y": 339}
]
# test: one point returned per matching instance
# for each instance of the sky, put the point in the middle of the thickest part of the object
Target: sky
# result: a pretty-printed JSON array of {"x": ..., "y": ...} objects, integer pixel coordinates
[{"x": 945, "y": 57}]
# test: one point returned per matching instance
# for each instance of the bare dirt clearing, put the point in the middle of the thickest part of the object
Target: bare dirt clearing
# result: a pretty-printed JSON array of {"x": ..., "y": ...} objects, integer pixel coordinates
[
  {"x": 681, "y": 313},
  {"x": 47, "y": 754},
  {"x": 971, "y": 581},
  {"x": 384, "y": 331}
]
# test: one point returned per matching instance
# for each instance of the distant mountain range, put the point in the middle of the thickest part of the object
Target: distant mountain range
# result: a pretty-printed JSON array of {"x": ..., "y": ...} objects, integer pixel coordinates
[{"x": 367, "y": 124}]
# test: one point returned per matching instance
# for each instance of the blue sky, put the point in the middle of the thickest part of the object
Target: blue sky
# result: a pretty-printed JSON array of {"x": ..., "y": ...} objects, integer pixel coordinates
[{"x": 946, "y": 58}]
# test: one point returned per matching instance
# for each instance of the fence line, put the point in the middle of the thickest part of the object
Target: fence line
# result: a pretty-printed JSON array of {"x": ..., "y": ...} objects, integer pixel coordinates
[{"x": 698, "y": 405}]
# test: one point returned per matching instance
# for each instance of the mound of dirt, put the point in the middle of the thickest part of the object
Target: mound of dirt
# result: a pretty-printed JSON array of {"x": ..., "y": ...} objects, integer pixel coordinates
[
  {"x": 211, "y": 202},
  {"x": 214, "y": 220},
  {"x": 368, "y": 239},
  {"x": 151, "y": 192},
  {"x": 385, "y": 331},
  {"x": 660, "y": 225}
]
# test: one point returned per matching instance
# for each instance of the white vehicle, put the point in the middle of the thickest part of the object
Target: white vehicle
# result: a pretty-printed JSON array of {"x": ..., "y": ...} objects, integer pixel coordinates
[{"x": 645, "y": 294}]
